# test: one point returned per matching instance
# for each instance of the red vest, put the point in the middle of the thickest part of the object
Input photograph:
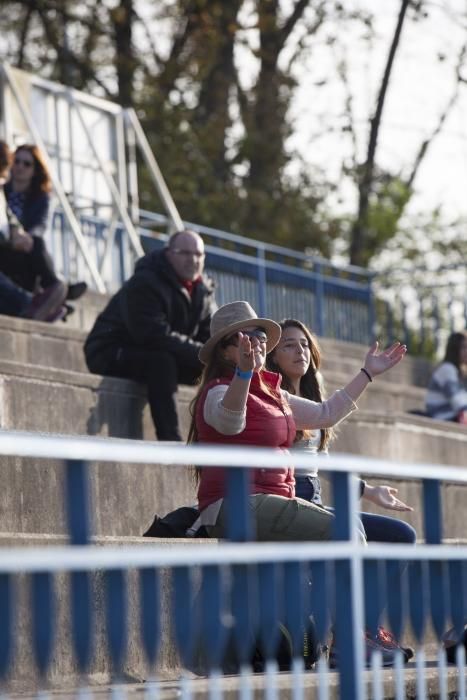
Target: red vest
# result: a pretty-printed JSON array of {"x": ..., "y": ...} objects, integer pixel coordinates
[{"x": 268, "y": 424}]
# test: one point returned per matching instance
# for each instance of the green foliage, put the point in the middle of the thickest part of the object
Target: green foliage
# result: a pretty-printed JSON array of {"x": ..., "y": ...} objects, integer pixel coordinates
[{"x": 222, "y": 140}]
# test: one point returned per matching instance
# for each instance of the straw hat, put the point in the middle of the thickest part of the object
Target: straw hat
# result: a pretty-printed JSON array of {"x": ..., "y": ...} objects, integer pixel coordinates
[{"x": 233, "y": 317}]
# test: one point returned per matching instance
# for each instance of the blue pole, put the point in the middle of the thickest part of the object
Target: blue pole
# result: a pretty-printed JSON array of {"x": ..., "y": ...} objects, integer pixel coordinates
[{"x": 262, "y": 281}]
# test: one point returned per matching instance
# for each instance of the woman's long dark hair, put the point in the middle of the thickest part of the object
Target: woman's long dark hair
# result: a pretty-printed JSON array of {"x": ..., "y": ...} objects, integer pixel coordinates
[
  {"x": 41, "y": 181},
  {"x": 310, "y": 387},
  {"x": 453, "y": 348}
]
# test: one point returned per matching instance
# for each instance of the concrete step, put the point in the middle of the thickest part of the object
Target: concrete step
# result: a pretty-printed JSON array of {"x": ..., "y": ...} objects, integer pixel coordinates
[
  {"x": 382, "y": 394},
  {"x": 123, "y": 497},
  {"x": 61, "y": 346},
  {"x": 402, "y": 437},
  {"x": 341, "y": 356},
  {"x": 230, "y": 687},
  {"x": 42, "y": 398},
  {"x": 55, "y": 400}
]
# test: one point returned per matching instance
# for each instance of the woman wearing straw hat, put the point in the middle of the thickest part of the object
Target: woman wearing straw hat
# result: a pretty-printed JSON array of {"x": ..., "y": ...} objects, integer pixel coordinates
[{"x": 241, "y": 403}]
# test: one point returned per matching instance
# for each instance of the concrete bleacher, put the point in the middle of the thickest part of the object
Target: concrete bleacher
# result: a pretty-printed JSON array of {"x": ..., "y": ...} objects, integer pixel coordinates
[{"x": 44, "y": 386}]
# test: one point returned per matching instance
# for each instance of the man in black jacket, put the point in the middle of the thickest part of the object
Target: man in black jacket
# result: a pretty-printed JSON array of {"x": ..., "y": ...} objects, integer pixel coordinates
[{"x": 153, "y": 328}]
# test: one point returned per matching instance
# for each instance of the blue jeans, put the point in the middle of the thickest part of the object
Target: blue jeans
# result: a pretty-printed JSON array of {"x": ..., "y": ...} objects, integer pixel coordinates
[
  {"x": 13, "y": 299},
  {"x": 378, "y": 528}
]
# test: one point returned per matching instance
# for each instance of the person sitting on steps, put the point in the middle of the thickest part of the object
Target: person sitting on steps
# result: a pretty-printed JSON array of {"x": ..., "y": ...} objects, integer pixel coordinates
[
  {"x": 153, "y": 328},
  {"x": 26, "y": 260},
  {"x": 14, "y": 300}
]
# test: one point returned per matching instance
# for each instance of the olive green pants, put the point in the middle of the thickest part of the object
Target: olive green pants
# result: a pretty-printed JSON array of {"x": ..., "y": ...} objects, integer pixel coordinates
[{"x": 279, "y": 519}]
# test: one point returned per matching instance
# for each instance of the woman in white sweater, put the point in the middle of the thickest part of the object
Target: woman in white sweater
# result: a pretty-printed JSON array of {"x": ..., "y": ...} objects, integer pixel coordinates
[
  {"x": 297, "y": 358},
  {"x": 446, "y": 398}
]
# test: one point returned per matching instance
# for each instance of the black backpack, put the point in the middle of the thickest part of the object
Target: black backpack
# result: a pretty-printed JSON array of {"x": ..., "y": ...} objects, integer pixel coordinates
[{"x": 175, "y": 524}]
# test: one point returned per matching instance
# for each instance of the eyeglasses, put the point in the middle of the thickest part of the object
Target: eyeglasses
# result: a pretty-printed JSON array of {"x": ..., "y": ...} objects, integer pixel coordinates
[
  {"x": 188, "y": 253},
  {"x": 255, "y": 333},
  {"x": 26, "y": 163}
]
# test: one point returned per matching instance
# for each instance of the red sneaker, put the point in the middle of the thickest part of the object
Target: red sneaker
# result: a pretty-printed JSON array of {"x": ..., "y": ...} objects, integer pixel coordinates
[
  {"x": 388, "y": 641},
  {"x": 383, "y": 642}
]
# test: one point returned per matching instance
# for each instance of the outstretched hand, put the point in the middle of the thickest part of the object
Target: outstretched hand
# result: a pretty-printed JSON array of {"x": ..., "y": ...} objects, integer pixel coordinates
[
  {"x": 384, "y": 496},
  {"x": 379, "y": 362}
]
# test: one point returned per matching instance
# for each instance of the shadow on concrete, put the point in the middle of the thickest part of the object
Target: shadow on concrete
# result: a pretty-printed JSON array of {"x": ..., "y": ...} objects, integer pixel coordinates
[{"x": 118, "y": 410}]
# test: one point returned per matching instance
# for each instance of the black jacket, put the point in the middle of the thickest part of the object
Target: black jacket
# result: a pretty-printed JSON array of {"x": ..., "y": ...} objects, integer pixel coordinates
[{"x": 153, "y": 310}]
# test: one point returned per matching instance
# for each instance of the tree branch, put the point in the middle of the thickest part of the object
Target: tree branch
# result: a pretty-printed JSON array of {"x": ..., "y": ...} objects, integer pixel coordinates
[{"x": 425, "y": 145}]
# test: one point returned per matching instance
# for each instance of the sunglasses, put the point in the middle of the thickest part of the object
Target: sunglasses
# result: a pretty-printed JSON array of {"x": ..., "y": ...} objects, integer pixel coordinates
[
  {"x": 26, "y": 163},
  {"x": 259, "y": 333}
]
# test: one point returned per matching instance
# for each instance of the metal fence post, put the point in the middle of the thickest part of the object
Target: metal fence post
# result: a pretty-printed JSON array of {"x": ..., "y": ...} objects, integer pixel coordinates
[
  {"x": 349, "y": 582},
  {"x": 262, "y": 281},
  {"x": 319, "y": 302}
]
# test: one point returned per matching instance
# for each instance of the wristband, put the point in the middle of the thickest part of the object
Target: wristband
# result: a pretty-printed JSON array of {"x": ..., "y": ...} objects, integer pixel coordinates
[
  {"x": 365, "y": 371},
  {"x": 243, "y": 375}
]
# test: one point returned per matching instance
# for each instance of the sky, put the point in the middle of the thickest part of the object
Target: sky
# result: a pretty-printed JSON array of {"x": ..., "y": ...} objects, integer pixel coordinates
[{"x": 420, "y": 89}]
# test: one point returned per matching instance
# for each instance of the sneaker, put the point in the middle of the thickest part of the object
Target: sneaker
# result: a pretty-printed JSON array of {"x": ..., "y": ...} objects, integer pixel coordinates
[
  {"x": 388, "y": 641},
  {"x": 76, "y": 290},
  {"x": 373, "y": 643},
  {"x": 47, "y": 302}
]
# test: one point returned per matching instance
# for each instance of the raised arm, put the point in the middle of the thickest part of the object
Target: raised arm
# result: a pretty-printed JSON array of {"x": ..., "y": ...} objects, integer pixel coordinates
[
  {"x": 376, "y": 363},
  {"x": 311, "y": 414}
]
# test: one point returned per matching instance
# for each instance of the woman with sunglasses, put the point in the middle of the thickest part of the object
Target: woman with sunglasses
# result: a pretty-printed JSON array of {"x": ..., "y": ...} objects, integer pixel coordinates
[
  {"x": 27, "y": 193},
  {"x": 297, "y": 358},
  {"x": 239, "y": 402}
]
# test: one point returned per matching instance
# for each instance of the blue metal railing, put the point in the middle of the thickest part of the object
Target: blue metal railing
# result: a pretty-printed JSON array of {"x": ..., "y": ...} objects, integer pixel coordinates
[
  {"x": 420, "y": 306},
  {"x": 233, "y": 596},
  {"x": 336, "y": 302}
]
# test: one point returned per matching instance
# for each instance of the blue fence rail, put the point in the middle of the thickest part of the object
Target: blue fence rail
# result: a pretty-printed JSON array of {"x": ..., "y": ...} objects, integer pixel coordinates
[
  {"x": 335, "y": 301},
  {"x": 420, "y": 305},
  {"x": 207, "y": 602}
]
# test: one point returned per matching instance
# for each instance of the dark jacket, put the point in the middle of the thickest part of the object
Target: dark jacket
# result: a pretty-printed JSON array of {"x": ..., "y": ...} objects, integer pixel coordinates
[
  {"x": 35, "y": 210},
  {"x": 153, "y": 310}
]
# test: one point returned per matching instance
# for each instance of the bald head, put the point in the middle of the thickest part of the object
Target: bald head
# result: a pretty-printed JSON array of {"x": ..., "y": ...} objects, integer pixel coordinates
[{"x": 185, "y": 252}]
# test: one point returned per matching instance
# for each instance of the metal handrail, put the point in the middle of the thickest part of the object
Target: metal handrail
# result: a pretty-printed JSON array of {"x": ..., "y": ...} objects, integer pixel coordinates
[{"x": 71, "y": 218}]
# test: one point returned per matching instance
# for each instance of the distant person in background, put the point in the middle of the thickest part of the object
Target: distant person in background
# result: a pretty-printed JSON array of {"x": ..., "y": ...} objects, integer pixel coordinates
[
  {"x": 15, "y": 300},
  {"x": 297, "y": 358},
  {"x": 153, "y": 328},
  {"x": 446, "y": 398},
  {"x": 26, "y": 260}
]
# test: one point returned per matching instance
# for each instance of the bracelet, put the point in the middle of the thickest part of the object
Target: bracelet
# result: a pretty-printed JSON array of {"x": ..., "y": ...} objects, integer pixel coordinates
[
  {"x": 365, "y": 371},
  {"x": 247, "y": 374}
]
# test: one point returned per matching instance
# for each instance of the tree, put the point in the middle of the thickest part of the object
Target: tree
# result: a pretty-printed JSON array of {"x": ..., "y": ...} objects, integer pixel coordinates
[
  {"x": 383, "y": 196},
  {"x": 221, "y": 132}
]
